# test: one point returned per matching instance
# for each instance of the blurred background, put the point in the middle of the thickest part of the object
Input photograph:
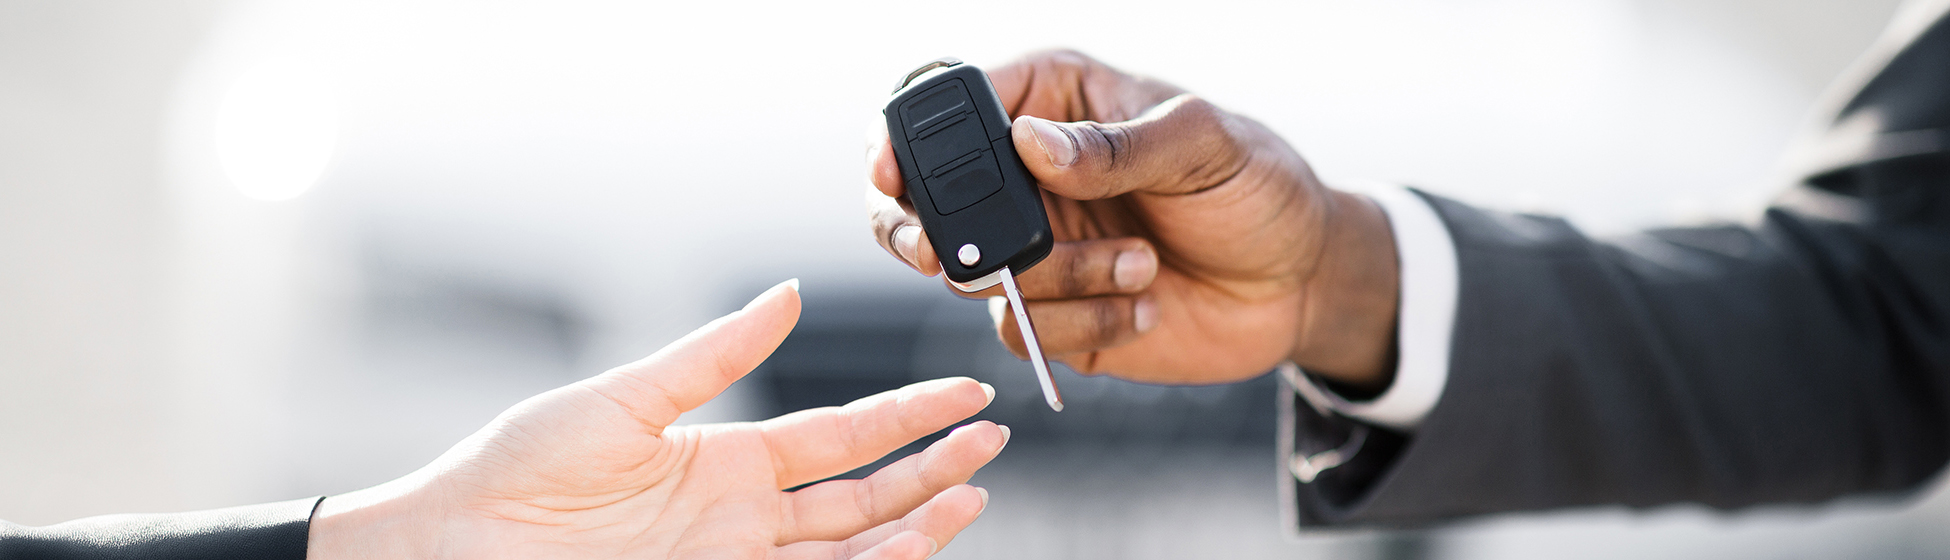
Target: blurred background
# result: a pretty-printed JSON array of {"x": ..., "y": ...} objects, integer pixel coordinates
[{"x": 256, "y": 251}]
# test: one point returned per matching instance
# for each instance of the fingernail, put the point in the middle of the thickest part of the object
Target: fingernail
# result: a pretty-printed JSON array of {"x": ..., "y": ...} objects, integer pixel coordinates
[
  {"x": 933, "y": 547},
  {"x": 990, "y": 389},
  {"x": 767, "y": 294},
  {"x": 998, "y": 306},
  {"x": 1062, "y": 150},
  {"x": 1134, "y": 269},
  {"x": 907, "y": 242},
  {"x": 985, "y": 499},
  {"x": 1145, "y": 314},
  {"x": 1005, "y": 437}
]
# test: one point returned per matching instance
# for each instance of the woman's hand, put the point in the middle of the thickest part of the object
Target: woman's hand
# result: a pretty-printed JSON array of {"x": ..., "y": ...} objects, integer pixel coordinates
[{"x": 596, "y": 470}]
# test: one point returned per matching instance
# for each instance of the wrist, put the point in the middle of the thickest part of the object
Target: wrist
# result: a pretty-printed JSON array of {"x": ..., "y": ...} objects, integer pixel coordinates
[
  {"x": 1350, "y": 299},
  {"x": 385, "y": 521}
]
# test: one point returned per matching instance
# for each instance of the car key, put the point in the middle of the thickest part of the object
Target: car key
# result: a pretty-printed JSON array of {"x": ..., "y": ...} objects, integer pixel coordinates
[{"x": 975, "y": 198}]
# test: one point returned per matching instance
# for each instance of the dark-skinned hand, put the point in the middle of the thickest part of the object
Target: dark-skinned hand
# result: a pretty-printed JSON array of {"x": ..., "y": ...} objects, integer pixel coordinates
[{"x": 1194, "y": 246}]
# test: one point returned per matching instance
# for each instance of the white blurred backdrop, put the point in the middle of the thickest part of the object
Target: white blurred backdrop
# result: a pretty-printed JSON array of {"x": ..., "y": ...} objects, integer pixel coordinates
[{"x": 254, "y": 251}]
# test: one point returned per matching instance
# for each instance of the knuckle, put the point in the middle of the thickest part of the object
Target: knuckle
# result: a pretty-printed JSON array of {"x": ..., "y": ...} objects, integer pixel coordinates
[
  {"x": 1115, "y": 142},
  {"x": 1064, "y": 58},
  {"x": 1219, "y": 151},
  {"x": 926, "y": 475},
  {"x": 848, "y": 429},
  {"x": 1192, "y": 106},
  {"x": 1111, "y": 145},
  {"x": 906, "y": 420},
  {"x": 1089, "y": 362},
  {"x": 883, "y": 226},
  {"x": 863, "y": 498},
  {"x": 1075, "y": 277},
  {"x": 885, "y": 212},
  {"x": 1108, "y": 324}
]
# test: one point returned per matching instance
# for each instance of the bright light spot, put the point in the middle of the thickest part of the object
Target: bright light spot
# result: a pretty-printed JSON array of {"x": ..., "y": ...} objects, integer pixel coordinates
[{"x": 275, "y": 132}]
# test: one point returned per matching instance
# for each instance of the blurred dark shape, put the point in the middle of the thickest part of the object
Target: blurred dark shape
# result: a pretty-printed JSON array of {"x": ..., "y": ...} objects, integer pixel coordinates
[
  {"x": 410, "y": 298},
  {"x": 864, "y": 340},
  {"x": 1123, "y": 465}
]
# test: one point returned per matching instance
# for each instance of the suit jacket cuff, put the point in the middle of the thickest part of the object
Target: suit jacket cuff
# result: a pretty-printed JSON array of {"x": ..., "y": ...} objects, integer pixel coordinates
[
  {"x": 1427, "y": 315},
  {"x": 1315, "y": 420}
]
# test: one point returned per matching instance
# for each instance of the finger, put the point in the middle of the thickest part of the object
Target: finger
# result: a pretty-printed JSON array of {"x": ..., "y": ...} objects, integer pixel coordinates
[
  {"x": 940, "y": 519},
  {"x": 1072, "y": 326},
  {"x": 899, "y": 232},
  {"x": 882, "y": 170},
  {"x": 838, "y": 509},
  {"x": 813, "y": 444},
  {"x": 1184, "y": 145},
  {"x": 908, "y": 545},
  {"x": 685, "y": 374},
  {"x": 1088, "y": 268},
  {"x": 1067, "y": 85}
]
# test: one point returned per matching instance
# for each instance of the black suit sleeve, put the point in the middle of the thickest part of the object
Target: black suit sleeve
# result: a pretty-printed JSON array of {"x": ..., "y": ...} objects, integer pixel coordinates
[
  {"x": 1796, "y": 359},
  {"x": 276, "y": 531}
]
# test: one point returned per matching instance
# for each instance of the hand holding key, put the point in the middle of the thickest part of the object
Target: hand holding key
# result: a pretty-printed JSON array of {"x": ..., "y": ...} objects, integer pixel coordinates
[{"x": 1193, "y": 245}]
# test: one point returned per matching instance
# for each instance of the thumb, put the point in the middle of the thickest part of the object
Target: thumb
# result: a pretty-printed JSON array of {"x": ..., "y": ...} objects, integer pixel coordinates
[
  {"x": 693, "y": 370},
  {"x": 1182, "y": 145}
]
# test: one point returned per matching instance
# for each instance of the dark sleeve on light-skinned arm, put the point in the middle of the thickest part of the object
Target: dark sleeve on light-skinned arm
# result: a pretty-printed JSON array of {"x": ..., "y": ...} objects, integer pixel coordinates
[{"x": 276, "y": 531}]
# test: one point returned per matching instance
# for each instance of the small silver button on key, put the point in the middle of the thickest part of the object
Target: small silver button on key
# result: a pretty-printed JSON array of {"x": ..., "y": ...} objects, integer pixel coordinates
[{"x": 969, "y": 255}]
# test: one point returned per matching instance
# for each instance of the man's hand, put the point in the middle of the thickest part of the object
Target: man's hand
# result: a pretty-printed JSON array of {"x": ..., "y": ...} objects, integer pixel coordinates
[
  {"x": 1193, "y": 245},
  {"x": 596, "y": 470}
]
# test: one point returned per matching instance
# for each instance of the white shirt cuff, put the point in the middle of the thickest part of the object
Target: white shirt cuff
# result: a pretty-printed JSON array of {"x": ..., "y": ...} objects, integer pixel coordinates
[{"x": 1427, "y": 316}]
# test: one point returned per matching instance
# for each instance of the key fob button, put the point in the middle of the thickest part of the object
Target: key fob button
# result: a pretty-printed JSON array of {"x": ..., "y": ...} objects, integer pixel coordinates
[
  {"x": 964, "y": 185},
  {"x": 935, "y": 106},
  {"x": 940, "y": 146},
  {"x": 970, "y": 255}
]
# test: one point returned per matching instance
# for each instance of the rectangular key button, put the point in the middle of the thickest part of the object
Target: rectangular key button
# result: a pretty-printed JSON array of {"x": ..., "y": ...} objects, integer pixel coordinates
[
  {"x": 964, "y": 185},
  {"x": 944, "y": 144},
  {"x": 935, "y": 106}
]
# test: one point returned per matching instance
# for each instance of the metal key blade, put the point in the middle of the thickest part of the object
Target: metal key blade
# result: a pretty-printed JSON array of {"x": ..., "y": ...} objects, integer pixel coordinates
[{"x": 1050, "y": 393}]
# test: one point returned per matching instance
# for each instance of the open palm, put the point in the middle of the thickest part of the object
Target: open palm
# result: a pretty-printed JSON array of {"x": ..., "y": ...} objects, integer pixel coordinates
[{"x": 596, "y": 470}]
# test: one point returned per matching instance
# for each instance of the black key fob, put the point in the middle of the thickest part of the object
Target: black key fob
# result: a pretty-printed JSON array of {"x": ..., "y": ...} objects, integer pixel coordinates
[{"x": 981, "y": 208}]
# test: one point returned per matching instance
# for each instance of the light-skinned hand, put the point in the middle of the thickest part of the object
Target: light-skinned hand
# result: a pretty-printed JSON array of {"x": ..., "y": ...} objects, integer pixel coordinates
[
  {"x": 597, "y": 470},
  {"x": 1194, "y": 246}
]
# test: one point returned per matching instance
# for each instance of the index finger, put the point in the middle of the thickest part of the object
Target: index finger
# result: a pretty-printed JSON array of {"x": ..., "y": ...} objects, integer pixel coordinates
[{"x": 882, "y": 170}]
